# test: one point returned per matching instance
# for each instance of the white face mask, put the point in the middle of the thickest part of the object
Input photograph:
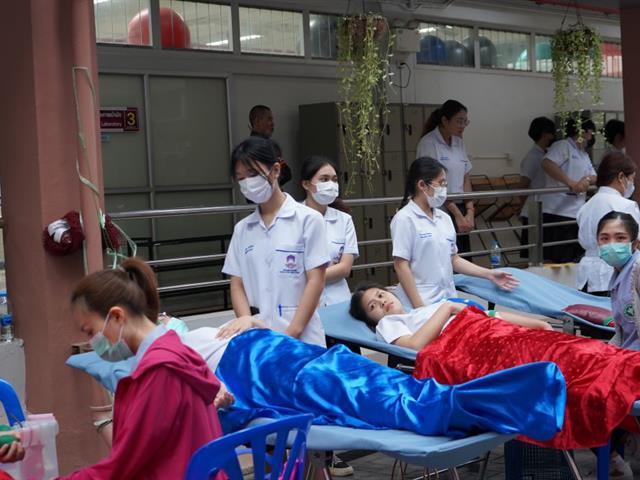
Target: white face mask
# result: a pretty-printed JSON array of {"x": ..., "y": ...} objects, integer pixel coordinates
[
  {"x": 438, "y": 198},
  {"x": 326, "y": 192},
  {"x": 257, "y": 189},
  {"x": 629, "y": 188}
]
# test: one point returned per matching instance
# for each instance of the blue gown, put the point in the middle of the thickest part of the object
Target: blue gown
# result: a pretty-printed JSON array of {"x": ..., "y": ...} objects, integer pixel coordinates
[{"x": 273, "y": 375}]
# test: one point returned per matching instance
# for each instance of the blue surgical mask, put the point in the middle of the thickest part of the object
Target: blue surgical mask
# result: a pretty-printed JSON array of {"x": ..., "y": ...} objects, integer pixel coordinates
[
  {"x": 615, "y": 254},
  {"x": 106, "y": 350},
  {"x": 177, "y": 326}
]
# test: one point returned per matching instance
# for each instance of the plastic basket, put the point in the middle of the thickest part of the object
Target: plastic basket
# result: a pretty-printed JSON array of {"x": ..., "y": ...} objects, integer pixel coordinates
[{"x": 523, "y": 461}]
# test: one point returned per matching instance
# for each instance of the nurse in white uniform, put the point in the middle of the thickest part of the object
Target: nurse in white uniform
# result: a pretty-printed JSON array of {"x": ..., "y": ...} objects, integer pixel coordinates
[
  {"x": 320, "y": 181},
  {"x": 567, "y": 164},
  {"x": 425, "y": 254},
  {"x": 543, "y": 132},
  {"x": 442, "y": 141},
  {"x": 278, "y": 255},
  {"x": 616, "y": 177}
]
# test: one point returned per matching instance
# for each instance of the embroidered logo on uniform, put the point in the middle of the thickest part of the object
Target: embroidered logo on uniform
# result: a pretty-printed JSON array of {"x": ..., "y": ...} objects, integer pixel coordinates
[
  {"x": 629, "y": 311},
  {"x": 248, "y": 249},
  {"x": 425, "y": 234},
  {"x": 444, "y": 158},
  {"x": 291, "y": 262}
]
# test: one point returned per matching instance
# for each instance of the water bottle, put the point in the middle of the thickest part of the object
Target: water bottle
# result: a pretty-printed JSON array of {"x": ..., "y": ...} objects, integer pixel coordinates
[
  {"x": 6, "y": 328},
  {"x": 495, "y": 257}
]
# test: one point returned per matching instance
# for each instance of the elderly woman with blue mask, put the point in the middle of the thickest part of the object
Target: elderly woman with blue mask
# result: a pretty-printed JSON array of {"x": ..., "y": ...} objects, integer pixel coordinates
[{"x": 618, "y": 247}]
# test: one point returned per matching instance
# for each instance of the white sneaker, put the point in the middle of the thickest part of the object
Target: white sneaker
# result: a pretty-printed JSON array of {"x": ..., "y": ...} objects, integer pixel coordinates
[{"x": 618, "y": 470}]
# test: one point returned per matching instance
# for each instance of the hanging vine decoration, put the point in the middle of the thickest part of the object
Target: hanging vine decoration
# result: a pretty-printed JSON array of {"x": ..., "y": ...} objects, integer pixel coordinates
[
  {"x": 577, "y": 67},
  {"x": 364, "y": 44}
]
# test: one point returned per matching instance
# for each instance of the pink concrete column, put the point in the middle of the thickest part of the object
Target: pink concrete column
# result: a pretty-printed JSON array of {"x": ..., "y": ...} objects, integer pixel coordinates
[
  {"x": 630, "y": 19},
  {"x": 40, "y": 42}
]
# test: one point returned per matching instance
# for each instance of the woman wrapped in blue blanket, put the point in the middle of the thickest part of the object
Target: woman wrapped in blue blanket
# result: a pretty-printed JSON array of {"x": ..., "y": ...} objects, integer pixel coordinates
[{"x": 271, "y": 374}]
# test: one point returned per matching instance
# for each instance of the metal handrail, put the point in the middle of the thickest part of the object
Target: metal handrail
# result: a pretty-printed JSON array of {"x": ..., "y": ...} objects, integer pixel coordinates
[{"x": 356, "y": 202}]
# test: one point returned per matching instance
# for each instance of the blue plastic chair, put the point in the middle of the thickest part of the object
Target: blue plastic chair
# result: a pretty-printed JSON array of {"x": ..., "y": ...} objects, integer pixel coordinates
[
  {"x": 11, "y": 403},
  {"x": 222, "y": 454}
]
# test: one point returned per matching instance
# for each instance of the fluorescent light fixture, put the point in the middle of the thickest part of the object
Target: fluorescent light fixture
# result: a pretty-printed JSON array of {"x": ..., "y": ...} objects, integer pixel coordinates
[
  {"x": 96, "y": 2},
  {"x": 312, "y": 23},
  {"x": 220, "y": 43},
  {"x": 450, "y": 27},
  {"x": 427, "y": 30}
]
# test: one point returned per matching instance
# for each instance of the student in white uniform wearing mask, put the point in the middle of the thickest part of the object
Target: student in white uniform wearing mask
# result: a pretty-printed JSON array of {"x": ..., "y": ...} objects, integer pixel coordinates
[
  {"x": 278, "y": 255},
  {"x": 566, "y": 163},
  {"x": 614, "y": 135},
  {"x": 442, "y": 141},
  {"x": 616, "y": 177},
  {"x": 543, "y": 132},
  {"x": 319, "y": 179},
  {"x": 425, "y": 254}
]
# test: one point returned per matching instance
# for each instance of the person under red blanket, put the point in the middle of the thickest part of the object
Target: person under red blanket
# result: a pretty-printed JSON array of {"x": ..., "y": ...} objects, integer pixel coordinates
[
  {"x": 164, "y": 411},
  {"x": 603, "y": 381}
]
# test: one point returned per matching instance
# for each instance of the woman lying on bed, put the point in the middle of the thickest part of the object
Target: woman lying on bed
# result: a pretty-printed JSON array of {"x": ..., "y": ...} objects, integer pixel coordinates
[
  {"x": 271, "y": 374},
  {"x": 459, "y": 343}
]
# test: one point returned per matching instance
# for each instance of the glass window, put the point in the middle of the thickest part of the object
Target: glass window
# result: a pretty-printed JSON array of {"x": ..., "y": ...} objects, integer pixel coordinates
[
  {"x": 543, "y": 53},
  {"x": 195, "y": 25},
  {"x": 275, "y": 32},
  {"x": 122, "y": 21},
  {"x": 323, "y": 36},
  {"x": 442, "y": 44},
  {"x": 611, "y": 59},
  {"x": 503, "y": 49}
]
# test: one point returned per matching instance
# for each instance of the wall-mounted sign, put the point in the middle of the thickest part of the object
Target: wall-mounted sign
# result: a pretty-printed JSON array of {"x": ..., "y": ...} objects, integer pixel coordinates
[{"x": 119, "y": 119}]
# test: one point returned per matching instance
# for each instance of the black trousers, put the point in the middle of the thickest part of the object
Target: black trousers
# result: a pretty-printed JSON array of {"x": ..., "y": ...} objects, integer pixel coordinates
[
  {"x": 463, "y": 242},
  {"x": 571, "y": 252}
]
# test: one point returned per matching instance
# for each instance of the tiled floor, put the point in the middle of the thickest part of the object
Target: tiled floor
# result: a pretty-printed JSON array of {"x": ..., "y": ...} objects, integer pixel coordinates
[{"x": 378, "y": 466}]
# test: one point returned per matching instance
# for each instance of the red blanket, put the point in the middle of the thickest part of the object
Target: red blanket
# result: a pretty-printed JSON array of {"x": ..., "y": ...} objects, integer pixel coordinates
[{"x": 602, "y": 381}]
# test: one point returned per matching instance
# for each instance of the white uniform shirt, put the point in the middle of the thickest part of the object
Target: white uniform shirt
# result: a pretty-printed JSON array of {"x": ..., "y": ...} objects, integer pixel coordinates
[
  {"x": 592, "y": 270},
  {"x": 575, "y": 164},
  {"x": 272, "y": 263},
  {"x": 392, "y": 327},
  {"x": 453, "y": 157},
  {"x": 341, "y": 235},
  {"x": 531, "y": 167},
  {"x": 203, "y": 340},
  {"x": 428, "y": 244}
]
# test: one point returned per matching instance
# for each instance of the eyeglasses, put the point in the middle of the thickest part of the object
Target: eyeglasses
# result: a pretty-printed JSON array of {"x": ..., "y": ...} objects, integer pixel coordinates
[
  {"x": 463, "y": 122},
  {"x": 441, "y": 184}
]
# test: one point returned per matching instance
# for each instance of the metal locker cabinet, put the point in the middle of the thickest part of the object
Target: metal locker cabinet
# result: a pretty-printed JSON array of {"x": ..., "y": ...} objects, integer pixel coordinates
[
  {"x": 392, "y": 135},
  {"x": 319, "y": 131},
  {"x": 376, "y": 228},
  {"x": 413, "y": 125}
]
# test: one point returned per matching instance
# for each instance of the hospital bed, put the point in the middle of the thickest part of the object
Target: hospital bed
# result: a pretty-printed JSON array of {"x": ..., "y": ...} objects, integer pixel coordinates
[
  {"x": 431, "y": 453},
  {"x": 537, "y": 295}
]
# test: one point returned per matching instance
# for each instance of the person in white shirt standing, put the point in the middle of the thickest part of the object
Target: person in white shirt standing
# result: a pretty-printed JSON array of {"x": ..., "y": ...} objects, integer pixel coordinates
[
  {"x": 278, "y": 255},
  {"x": 566, "y": 163},
  {"x": 616, "y": 179},
  {"x": 319, "y": 179},
  {"x": 614, "y": 135},
  {"x": 542, "y": 131},
  {"x": 425, "y": 254},
  {"x": 442, "y": 141}
]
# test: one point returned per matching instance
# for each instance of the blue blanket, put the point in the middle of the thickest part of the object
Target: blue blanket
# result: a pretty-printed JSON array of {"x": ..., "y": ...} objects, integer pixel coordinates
[{"x": 273, "y": 375}]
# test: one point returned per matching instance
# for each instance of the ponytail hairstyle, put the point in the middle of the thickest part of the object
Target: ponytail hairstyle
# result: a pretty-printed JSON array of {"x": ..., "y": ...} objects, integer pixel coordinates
[
  {"x": 310, "y": 167},
  {"x": 611, "y": 165},
  {"x": 448, "y": 110},
  {"x": 630, "y": 225},
  {"x": 423, "y": 168},
  {"x": 256, "y": 150},
  {"x": 132, "y": 286}
]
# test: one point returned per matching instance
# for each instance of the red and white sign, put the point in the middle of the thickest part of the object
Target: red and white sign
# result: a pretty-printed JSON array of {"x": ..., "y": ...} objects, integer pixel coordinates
[{"x": 119, "y": 119}]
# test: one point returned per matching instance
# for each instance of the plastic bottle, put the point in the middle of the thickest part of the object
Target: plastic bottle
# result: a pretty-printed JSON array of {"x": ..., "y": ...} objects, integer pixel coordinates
[
  {"x": 6, "y": 328},
  {"x": 495, "y": 256}
]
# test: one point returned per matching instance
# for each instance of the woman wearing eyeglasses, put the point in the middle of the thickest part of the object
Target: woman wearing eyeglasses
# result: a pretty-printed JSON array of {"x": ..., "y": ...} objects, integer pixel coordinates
[{"x": 442, "y": 141}]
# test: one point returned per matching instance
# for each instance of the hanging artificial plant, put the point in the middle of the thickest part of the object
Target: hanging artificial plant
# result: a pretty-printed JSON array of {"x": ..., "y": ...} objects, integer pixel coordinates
[
  {"x": 577, "y": 67},
  {"x": 363, "y": 66}
]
